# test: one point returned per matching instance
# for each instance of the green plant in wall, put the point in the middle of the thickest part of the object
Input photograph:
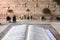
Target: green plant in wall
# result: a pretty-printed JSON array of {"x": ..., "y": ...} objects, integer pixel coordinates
[
  {"x": 57, "y": 1},
  {"x": 46, "y": 11},
  {"x": 10, "y": 10},
  {"x": 28, "y": 10}
]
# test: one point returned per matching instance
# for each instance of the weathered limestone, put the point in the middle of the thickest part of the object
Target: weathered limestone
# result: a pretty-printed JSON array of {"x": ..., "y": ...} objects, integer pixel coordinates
[{"x": 19, "y": 7}]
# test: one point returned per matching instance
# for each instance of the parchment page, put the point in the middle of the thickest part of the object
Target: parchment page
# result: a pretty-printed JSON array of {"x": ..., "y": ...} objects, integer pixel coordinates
[
  {"x": 36, "y": 33},
  {"x": 16, "y": 33}
]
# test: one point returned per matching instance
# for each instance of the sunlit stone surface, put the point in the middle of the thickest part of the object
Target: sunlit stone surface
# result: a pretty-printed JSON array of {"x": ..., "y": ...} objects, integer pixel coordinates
[{"x": 19, "y": 7}]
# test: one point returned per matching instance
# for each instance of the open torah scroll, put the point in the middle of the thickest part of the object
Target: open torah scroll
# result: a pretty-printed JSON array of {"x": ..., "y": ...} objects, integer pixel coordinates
[{"x": 24, "y": 32}]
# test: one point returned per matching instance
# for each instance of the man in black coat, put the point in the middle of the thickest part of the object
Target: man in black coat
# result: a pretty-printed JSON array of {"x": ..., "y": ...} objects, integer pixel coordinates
[{"x": 14, "y": 19}]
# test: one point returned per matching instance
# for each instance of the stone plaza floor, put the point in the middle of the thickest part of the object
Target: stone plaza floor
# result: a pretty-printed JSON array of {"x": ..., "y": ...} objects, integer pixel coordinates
[{"x": 55, "y": 24}]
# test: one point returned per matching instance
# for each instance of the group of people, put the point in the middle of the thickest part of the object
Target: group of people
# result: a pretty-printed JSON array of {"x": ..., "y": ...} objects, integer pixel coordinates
[
  {"x": 28, "y": 17},
  {"x": 8, "y": 18}
]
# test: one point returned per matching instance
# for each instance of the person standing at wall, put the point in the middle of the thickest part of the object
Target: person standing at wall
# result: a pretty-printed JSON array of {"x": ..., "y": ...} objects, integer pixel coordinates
[
  {"x": 14, "y": 19},
  {"x": 8, "y": 18},
  {"x": 31, "y": 17}
]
